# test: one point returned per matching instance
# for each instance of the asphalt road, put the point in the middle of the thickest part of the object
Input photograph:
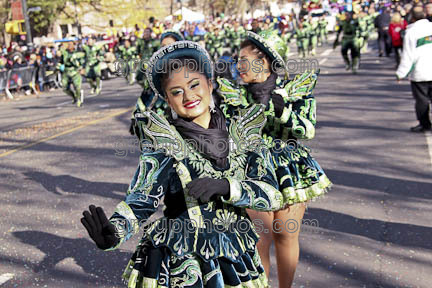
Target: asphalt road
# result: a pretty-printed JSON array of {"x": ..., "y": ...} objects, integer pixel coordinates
[{"x": 374, "y": 226}]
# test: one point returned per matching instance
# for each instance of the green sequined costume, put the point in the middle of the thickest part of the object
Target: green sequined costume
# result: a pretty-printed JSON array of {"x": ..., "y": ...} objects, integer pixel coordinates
[
  {"x": 71, "y": 76},
  {"x": 218, "y": 248},
  {"x": 287, "y": 36},
  {"x": 236, "y": 35},
  {"x": 350, "y": 41},
  {"x": 145, "y": 49},
  {"x": 362, "y": 32},
  {"x": 299, "y": 175},
  {"x": 302, "y": 37},
  {"x": 93, "y": 57},
  {"x": 313, "y": 37},
  {"x": 130, "y": 62},
  {"x": 322, "y": 27},
  {"x": 215, "y": 42}
]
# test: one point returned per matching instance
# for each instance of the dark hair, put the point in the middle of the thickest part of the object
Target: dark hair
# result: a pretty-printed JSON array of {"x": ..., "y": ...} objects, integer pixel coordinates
[
  {"x": 257, "y": 51},
  {"x": 417, "y": 13}
]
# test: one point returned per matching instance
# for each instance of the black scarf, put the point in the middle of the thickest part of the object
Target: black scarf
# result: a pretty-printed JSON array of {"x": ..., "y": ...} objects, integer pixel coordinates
[
  {"x": 207, "y": 141},
  {"x": 261, "y": 92}
]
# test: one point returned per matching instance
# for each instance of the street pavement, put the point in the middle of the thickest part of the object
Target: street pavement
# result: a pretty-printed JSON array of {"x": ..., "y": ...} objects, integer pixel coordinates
[{"x": 373, "y": 229}]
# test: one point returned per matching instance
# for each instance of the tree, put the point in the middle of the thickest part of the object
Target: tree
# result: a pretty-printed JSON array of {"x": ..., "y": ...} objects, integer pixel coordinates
[
  {"x": 4, "y": 15},
  {"x": 42, "y": 21}
]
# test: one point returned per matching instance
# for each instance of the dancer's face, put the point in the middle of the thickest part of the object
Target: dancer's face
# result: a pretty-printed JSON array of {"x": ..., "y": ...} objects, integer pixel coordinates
[
  {"x": 188, "y": 94},
  {"x": 167, "y": 41},
  {"x": 147, "y": 34},
  {"x": 252, "y": 69}
]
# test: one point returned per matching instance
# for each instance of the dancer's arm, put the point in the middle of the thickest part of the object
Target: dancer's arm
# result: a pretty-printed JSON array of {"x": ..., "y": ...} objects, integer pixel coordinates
[
  {"x": 143, "y": 196},
  {"x": 295, "y": 106}
]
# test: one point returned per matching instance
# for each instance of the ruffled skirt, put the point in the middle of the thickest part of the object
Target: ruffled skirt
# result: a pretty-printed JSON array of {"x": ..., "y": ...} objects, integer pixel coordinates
[
  {"x": 158, "y": 267},
  {"x": 300, "y": 177}
]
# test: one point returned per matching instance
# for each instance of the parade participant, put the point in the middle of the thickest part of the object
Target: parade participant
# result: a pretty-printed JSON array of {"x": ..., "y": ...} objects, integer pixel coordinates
[
  {"x": 322, "y": 28},
  {"x": 206, "y": 188},
  {"x": 372, "y": 14},
  {"x": 291, "y": 115},
  {"x": 93, "y": 57},
  {"x": 169, "y": 37},
  {"x": 147, "y": 99},
  {"x": 70, "y": 66},
  {"x": 128, "y": 56},
  {"x": 313, "y": 35},
  {"x": 362, "y": 31},
  {"x": 215, "y": 42},
  {"x": 255, "y": 26},
  {"x": 146, "y": 46},
  {"x": 302, "y": 37},
  {"x": 415, "y": 61},
  {"x": 236, "y": 34},
  {"x": 190, "y": 34},
  {"x": 350, "y": 41},
  {"x": 286, "y": 35}
]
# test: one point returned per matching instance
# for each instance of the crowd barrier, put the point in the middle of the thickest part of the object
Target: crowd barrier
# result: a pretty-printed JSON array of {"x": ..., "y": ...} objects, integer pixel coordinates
[
  {"x": 3, "y": 80},
  {"x": 52, "y": 77},
  {"x": 17, "y": 78}
]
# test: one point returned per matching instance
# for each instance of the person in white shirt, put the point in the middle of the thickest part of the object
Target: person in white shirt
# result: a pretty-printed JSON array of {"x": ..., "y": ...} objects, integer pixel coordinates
[{"x": 416, "y": 62}]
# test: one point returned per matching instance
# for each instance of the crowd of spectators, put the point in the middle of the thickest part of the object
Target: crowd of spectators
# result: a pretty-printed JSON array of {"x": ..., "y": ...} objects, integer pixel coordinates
[{"x": 390, "y": 24}]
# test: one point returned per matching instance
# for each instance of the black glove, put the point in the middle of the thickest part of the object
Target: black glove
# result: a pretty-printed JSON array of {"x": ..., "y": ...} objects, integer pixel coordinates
[
  {"x": 278, "y": 104},
  {"x": 99, "y": 228},
  {"x": 205, "y": 188},
  {"x": 132, "y": 127}
]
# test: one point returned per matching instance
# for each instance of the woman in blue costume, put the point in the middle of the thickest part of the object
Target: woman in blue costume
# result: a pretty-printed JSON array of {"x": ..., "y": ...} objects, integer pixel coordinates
[
  {"x": 206, "y": 238},
  {"x": 147, "y": 99},
  {"x": 291, "y": 115}
]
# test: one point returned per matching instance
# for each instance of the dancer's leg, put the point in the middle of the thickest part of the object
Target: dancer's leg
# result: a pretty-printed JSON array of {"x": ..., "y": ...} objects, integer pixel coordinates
[
  {"x": 286, "y": 232},
  {"x": 263, "y": 222}
]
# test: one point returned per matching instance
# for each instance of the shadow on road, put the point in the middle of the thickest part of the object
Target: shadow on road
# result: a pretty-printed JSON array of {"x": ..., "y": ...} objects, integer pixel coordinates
[
  {"x": 73, "y": 184},
  {"x": 106, "y": 266},
  {"x": 337, "y": 124},
  {"x": 393, "y": 186},
  {"x": 406, "y": 235},
  {"x": 357, "y": 277}
]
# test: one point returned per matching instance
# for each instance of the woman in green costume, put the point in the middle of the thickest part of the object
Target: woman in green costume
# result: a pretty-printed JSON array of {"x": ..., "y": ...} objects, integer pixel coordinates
[
  {"x": 291, "y": 115},
  {"x": 208, "y": 168}
]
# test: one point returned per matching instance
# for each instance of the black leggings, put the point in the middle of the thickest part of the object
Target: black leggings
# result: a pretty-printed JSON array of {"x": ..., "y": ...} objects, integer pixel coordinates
[
  {"x": 355, "y": 51},
  {"x": 397, "y": 54}
]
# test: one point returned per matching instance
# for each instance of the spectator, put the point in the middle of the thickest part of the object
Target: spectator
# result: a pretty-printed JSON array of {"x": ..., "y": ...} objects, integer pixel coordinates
[
  {"x": 382, "y": 22},
  {"x": 3, "y": 62},
  {"x": 416, "y": 59},
  {"x": 18, "y": 62},
  {"x": 397, "y": 25},
  {"x": 429, "y": 11},
  {"x": 255, "y": 26},
  {"x": 40, "y": 73}
]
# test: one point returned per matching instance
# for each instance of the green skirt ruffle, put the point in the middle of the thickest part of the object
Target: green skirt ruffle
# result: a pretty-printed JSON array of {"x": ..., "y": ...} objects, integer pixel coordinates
[
  {"x": 157, "y": 267},
  {"x": 301, "y": 178}
]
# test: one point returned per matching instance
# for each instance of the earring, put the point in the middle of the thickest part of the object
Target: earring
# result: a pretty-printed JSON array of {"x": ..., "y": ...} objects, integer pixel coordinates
[
  {"x": 212, "y": 105},
  {"x": 174, "y": 114}
]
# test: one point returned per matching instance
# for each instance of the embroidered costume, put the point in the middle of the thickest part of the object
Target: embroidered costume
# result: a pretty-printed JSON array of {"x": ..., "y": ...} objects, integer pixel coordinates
[
  {"x": 147, "y": 99},
  {"x": 216, "y": 246},
  {"x": 291, "y": 115}
]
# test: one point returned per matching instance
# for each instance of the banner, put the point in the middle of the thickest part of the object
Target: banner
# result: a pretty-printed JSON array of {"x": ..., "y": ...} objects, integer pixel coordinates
[{"x": 16, "y": 9}]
